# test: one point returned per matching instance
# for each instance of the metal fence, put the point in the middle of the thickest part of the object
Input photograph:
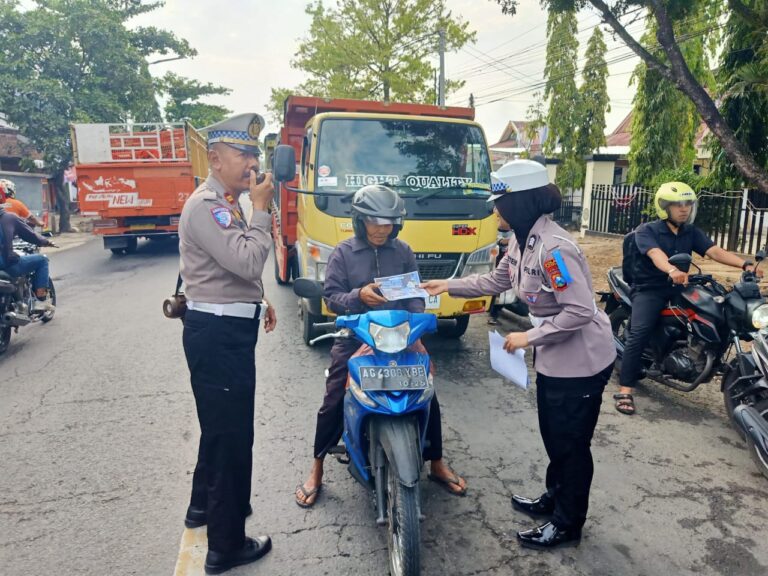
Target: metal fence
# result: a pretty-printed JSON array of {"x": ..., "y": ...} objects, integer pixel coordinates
[
  {"x": 569, "y": 213},
  {"x": 735, "y": 220}
]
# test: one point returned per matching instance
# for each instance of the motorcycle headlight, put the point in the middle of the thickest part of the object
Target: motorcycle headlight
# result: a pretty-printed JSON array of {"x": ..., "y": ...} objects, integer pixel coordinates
[
  {"x": 428, "y": 392},
  {"x": 360, "y": 395},
  {"x": 481, "y": 261},
  {"x": 390, "y": 340},
  {"x": 760, "y": 317}
]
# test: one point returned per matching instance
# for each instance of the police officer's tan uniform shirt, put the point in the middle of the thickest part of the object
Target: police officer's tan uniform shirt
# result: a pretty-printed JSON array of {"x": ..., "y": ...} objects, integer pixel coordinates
[
  {"x": 573, "y": 338},
  {"x": 222, "y": 255}
]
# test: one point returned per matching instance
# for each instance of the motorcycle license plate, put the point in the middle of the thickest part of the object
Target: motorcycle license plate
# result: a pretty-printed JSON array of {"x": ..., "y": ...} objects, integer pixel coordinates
[
  {"x": 393, "y": 378},
  {"x": 142, "y": 227},
  {"x": 433, "y": 302}
]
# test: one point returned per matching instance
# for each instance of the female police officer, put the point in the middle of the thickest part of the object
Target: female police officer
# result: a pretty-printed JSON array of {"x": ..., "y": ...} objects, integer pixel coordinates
[{"x": 573, "y": 345}]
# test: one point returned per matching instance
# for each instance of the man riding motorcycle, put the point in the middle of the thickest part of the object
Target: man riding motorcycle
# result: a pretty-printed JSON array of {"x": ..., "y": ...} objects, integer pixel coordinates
[
  {"x": 33, "y": 264},
  {"x": 655, "y": 281},
  {"x": 16, "y": 206}
]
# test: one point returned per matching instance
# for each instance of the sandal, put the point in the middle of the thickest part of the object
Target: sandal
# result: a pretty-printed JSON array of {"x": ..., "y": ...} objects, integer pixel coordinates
[
  {"x": 446, "y": 483},
  {"x": 625, "y": 403},
  {"x": 307, "y": 495}
]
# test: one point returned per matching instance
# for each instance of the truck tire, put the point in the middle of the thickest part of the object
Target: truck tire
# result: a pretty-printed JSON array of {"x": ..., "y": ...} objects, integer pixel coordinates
[{"x": 456, "y": 330}]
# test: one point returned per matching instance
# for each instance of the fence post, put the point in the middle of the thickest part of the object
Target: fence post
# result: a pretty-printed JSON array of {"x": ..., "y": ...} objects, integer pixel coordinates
[
  {"x": 586, "y": 197},
  {"x": 738, "y": 217}
]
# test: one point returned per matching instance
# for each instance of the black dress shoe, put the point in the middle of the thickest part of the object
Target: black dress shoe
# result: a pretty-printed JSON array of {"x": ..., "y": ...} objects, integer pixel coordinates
[
  {"x": 197, "y": 517},
  {"x": 252, "y": 550},
  {"x": 544, "y": 505},
  {"x": 549, "y": 536}
]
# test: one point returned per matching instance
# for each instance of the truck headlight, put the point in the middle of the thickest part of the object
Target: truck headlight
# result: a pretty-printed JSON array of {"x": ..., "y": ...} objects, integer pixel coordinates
[
  {"x": 760, "y": 317},
  {"x": 317, "y": 260},
  {"x": 390, "y": 340},
  {"x": 481, "y": 261}
]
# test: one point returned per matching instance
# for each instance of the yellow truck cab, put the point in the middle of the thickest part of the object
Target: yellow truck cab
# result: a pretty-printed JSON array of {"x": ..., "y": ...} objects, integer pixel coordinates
[{"x": 436, "y": 158}]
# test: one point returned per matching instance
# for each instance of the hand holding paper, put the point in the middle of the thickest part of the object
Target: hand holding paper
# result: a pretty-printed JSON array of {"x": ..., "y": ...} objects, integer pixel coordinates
[{"x": 510, "y": 366}]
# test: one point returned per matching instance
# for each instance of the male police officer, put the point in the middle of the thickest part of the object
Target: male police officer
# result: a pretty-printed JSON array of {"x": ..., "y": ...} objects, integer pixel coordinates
[{"x": 222, "y": 259}]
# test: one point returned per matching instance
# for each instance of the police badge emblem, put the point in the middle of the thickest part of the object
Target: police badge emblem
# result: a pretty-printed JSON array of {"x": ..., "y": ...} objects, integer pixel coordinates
[{"x": 222, "y": 216}]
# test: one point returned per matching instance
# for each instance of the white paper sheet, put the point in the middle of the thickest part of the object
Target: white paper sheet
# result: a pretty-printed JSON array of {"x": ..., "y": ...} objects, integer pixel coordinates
[
  {"x": 401, "y": 286},
  {"x": 510, "y": 366}
]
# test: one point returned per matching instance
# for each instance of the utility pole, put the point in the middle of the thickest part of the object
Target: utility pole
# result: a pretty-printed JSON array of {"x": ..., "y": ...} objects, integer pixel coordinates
[
  {"x": 441, "y": 97},
  {"x": 471, "y": 100},
  {"x": 435, "y": 86}
]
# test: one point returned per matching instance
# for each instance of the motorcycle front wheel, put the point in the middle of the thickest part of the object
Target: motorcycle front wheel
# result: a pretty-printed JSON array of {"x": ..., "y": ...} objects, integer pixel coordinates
[
  {"x": 403, "y": 538},
  {"x": 729, "y": 391},
  {"x": 759, "y": 455}
]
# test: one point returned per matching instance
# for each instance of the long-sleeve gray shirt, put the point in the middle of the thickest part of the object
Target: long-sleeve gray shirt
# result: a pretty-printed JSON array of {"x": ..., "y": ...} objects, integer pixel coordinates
[
  {"x": 574, "y": 337},
  {"x": 222, "y": 256},
  {"x": 354, "y": 263}
]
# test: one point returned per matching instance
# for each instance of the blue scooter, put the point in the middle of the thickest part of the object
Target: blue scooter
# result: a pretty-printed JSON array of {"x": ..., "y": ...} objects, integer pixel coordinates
[{"x": 386, "y": 409}]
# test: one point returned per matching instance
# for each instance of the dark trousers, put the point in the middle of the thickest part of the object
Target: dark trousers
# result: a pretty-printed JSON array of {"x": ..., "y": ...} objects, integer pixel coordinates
[
  {"x": 330, "y": 417},
  {"x": 220, "y": 353},
  {"x": 568, "y": 409},
  {"x": 646, "y": 307}
]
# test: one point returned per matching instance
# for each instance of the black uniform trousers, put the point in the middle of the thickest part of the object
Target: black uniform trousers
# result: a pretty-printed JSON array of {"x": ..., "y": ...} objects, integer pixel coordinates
[
  {"x": 568, "y": 409},
  {"x": 330, "y": 417},
  {"x": 647, "y": 304},
  {"x": 220, "y": 353}
]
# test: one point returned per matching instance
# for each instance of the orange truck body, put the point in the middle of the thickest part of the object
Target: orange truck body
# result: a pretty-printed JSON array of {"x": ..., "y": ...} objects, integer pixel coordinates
[{"x": 136, "y": 178}]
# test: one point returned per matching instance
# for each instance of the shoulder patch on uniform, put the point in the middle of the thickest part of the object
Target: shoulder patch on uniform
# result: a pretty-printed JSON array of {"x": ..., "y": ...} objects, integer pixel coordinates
[
  {"x": 222, "y": 216},
  {"x": 559, "y": 276}
]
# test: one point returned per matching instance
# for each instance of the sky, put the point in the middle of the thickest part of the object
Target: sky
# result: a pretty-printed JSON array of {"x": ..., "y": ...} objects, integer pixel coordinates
[{"x": 247, "y": 46}]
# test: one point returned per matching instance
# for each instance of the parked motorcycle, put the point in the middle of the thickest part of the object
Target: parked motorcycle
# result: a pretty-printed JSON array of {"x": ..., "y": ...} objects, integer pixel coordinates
[
  {"x": 693, "y": 338},
  {"x": 693, "y": 335},
  {"x": 17, "y": 299},
  {"x": 386, "y": 409}
]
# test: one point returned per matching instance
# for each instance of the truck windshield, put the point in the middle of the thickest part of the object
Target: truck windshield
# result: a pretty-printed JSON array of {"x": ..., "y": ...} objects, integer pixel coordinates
[{"x": 414, "y": 157}]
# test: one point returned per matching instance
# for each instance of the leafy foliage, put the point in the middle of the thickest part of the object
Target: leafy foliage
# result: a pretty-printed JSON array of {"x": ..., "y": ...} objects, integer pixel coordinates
[
  {"x": 183, "y": 100},
  {"x": 593, "y": 97}
]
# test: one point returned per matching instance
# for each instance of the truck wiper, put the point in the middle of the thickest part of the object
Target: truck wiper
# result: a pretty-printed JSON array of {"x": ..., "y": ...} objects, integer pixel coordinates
[{"x": 422, "y": 197}]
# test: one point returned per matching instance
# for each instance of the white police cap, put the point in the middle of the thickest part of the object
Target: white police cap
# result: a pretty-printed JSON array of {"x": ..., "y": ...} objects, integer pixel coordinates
[{"x": 518, "y": 176}]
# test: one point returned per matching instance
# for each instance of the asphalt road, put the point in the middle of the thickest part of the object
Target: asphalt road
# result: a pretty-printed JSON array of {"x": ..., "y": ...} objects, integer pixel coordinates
[{"x": 98, "y": 439}]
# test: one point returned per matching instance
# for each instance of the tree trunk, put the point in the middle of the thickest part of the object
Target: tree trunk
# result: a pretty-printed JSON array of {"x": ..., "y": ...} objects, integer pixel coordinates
[
  {"x": 62, "y": 200},
  {"x": 680, "y": 75}
]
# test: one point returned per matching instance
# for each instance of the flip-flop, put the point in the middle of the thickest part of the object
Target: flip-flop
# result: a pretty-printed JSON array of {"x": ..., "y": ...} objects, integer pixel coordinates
[
  {"x": 447, "y": 482},
  {"x": 307, "y": 494},
  {"x": 625, "y": 403}
]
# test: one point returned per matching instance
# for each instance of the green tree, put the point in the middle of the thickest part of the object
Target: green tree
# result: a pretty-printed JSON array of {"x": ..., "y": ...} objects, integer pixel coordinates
[
  {"x": 675, "y": 69},
  {"x": 64, "y": 61},
  {"x": 743, "y": 81},
  {"x": 184, "y": 100},
  {"x": 593, "y": 97},
  {"x": 664, "y": 120},
  {"x": 560, "y": 73},
  {"x": 375, "y": 49}
]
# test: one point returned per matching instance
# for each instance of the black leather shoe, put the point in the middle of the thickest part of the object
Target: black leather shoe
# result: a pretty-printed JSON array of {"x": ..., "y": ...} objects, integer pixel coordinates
[
  {"x": 544, "y": 505},
  {"x": 252, "y": 550},
  {"x": 197, "y": 517},
  {"x": 549, "y": 536}
]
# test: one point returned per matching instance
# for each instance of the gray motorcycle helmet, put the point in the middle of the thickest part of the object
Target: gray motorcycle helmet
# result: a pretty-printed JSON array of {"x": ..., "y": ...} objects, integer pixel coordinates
[{"x": 377, "y": 204}]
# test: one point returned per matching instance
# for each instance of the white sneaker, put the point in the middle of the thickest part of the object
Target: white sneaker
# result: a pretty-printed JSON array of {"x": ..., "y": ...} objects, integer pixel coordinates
[{"x": 43, "y": 306}]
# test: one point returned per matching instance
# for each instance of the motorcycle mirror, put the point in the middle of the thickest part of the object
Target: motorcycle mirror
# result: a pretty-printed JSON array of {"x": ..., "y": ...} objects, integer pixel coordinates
[
  {"x": 307, "y": 288},
  {"x": 760, "y": 255},
  {"x": 681, "y": 261}
]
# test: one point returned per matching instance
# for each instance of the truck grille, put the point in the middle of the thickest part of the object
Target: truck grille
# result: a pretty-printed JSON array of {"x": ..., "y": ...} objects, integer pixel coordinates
[{"x": 437, "y": 266}]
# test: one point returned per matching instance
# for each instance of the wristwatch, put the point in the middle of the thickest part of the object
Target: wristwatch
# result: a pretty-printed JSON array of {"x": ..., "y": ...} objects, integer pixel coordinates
[{"x": 746, "y": 263}]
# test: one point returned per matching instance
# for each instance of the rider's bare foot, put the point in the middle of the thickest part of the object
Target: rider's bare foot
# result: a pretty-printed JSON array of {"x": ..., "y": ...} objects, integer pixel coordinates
[
  {"x": 442, "y": 473},
  {"x": 306, "y": 494}
]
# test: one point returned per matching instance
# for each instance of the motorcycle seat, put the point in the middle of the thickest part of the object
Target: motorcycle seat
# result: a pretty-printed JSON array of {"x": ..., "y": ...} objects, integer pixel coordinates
[{"x": 618, "y": 276}]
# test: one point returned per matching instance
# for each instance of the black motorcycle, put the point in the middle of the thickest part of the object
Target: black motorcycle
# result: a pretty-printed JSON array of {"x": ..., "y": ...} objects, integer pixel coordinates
[
  {"x": 691, "y": 341},
  {"x": 17, "y": 299}
]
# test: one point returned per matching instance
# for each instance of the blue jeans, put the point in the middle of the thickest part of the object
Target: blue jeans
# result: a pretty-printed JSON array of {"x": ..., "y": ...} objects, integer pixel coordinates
[{"x": 36, "y": 264}]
